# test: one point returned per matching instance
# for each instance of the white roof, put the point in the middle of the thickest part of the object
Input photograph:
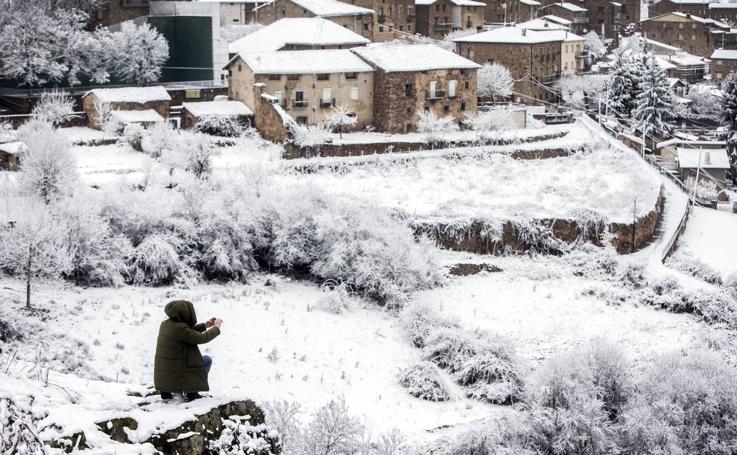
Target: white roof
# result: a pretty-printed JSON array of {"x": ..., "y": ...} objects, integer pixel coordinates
[
  {"x": 510, "y": 35},
  {"x": 543, "y": 24},
  {"x": 218, "y": 109},
  {"x": 658, "y": 44},
  {"x": 691, "y": 2},
  {"x": 701, "y": 19},
  {"x": 722, "y": 5},
  {"x": 664, "y": 63},
  {"x": 12, "y": 148},
  {"x": 455, "y": 2},
  {"x": 306, "y": 62},
  {"x": 235, "y": 1},
  {"x": 530, "y": 2},
  {"x": 144, "y": 116},
  {"x": 311, "y": 31},
  {"x": 724, "y": 54},
  {"x": 131, "y": 94},
  {"x": 556, "y": 19},
  {"x": 571, "y": 7},
  {"x": 331, "y": 8},
  {"x": 688, "y": 158},
  {"x": 686, "y": 59},
  {"x": 412, "y": 57}
]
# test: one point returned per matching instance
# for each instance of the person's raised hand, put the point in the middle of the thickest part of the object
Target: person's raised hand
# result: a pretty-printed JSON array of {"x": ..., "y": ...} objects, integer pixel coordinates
[
  {"x": 210, "y": 322},
  {"x": 217, "y": 323}
]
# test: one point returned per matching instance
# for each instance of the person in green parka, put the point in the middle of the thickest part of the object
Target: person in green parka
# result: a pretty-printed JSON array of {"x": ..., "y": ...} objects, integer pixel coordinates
[{"x": 179, "y": 367}]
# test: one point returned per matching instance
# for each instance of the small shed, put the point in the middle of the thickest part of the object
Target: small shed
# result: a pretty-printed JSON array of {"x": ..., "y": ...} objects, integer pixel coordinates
[
  {"x": 9, "y": 153},
  {"x": 145, "y": 118},
  {"x": 98, "y": 103},
  {"x": 713, "y": 165},
  {"x": 192, "y": 113}
]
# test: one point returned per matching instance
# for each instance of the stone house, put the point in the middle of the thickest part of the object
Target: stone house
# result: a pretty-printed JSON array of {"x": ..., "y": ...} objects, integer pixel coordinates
[
  {"x": 9, "y": 153},
  {"x": 192, "y": 113},
  {"x": 412, "y": 78},
  {"x": 117, "y": 11},
  {"x": 723, "y": 62},
  {"x": 723, "y": 12},
  {"x": 237, "y": 12},
  {"x": 355, "y": 18},
  {"x": 392, "y": 18},
  {"x": 572, "y": 51},
  {"x": 577, "y": 16},
  {"x": 437, "y": 18},
  {"x": 507, "y": 11},
  {"x": 533, "y": 58},
  {"x": 306, "y": 84},
  {"x": 98, "y": 104},
  {"x": 694, "y": 7},
  {"x": 710, "y": 164},
  {"x": 295, "y": 34},
  {"x": 527, "y": 9},
  {"x": 693, "y": 34}
]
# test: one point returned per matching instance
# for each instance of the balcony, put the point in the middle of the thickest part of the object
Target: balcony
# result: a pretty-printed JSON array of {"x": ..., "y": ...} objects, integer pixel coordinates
[
  {"x": 410, "y": 18},
  {"x": 299, "y": 103},
  {"x": 436, "y": 95},
  {"x": 442, "y": 28},
  {"x": 549, "y": 80},
  {"x": 582, "y": 54},
  {"x": 581, "y": 20},
  {"x": 327, "y": 103}
]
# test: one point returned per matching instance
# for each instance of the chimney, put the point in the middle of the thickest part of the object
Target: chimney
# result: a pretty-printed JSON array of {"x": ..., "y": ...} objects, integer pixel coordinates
[
  {"x": 524, "y": 32},
  {"x": 707, "y": 158}
]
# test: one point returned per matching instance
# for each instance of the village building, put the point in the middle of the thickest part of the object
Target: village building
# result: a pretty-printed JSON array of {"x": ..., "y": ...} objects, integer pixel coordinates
[
  {"x": 117, "y": 11},
  {"x": 711, "y": 165},
  {"x": 695, "y": 35},
  {"x": 694, "y": 7},
  {"x": 414, "y": 78},
  {"x": 723, "y": 62},
  {"x": 533, "y": 57},
  {"x": 203, "y": 111},
  {"x": 723, "y": 12},
  {"x": 99, "y": 104},
  {"x": 576, "y": 16},
  {"x": 9, "y": 155},
  {"x": 306, "y": 84},
  {"x": 527, "y": 9},
  {"x": 392, "y": 18},
  {"x": 572, "y": 48},
  {"x": 677, "y": 63},
  {"x": 298, "y": 34},
  {"x": 238, "y": 12},
  {"x": 437, "y": 18},
  {"x": 502, "y": 12},
  {"x": 352, "y": 17}
]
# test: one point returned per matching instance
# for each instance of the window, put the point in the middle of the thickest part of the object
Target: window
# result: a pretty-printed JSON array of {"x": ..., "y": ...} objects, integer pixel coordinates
[
  {"x": 399, "y": 10},
  {"x": 463, "y": 106},
  {"x": 292, "y": 77},
  {"x": 446, "y": 108},
  {"x": 401, "y": 28},
  {"x": 467, "y": 85},
  {"x": 354, "y": 93},
  {"x": 680, "y": 37},
  {"x": 274, "y": 77},
  {"x": 278, "y": 96},
  {"x": 433, "y": 89},
  {"x": 452, "y": 88},
  {"x": 381, "y": 29},
  {"x": 365, "y": 26},
  {"x": 299, "y": 99},
  {"x": 408, "y": 128},
  {"x": 408, "y": 90},
  {"x": 719, "y": 75},
  {"x": 323, "y": 77},
  {"x": 302, "y": 120},
  {"x": 327, "y": 97},
  {"x": 240, "y": 68}
]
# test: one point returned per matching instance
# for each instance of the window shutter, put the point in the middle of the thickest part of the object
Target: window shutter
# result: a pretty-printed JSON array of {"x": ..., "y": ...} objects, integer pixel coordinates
[
  {"x": 327, "y": 95},
  {"x": 354, "y": 93},
  {"x": 452, "y": 88}
]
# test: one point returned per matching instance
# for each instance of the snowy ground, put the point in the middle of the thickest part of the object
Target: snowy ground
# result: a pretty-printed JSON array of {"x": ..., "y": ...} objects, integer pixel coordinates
[{"x": 708, "y": 237}]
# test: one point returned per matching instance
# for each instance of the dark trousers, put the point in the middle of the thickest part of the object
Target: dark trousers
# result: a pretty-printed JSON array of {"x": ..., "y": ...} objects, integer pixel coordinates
[{"x": 207, "y": 360}]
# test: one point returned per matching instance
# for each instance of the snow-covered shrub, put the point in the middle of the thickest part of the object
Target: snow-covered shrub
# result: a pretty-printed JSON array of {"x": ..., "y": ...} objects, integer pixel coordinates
[
  {"x": 712, "y": 306},
  {"x": 632, "y": 276},
  {"x": 282, "y": 417},
  {"x": 226, "y": 246},
  {"x": 424, "y": 381},
  {"x": 538, "y": 237},
  {"x": 434, "y": 128},
  {"x": 159, "y": 139},
  {"x": 686, "y": 262},
  {"x": 310, "y": 136},
  {"x": 686, "y": 404},
  {"x": 18, "y": 430},
  {"x": 332, "y": 431},
  {"x": 337, "y": 298},
  {"x": 491, "y": 374},
  {"x": 705, "y": 190},
  {"x": 48, "y": 169},
  {"x": 420, "y": 320},
  {"x": 133, "y": 134},
  {"x": 53, "y": 107},
  {"x": 156, "y": 261},
  {"x": 494, "y": 81},
  {"x": 239, "y": 437},
  {"x": 7, "y": 133},
  {"x": 393, "y": 442},
  {"x": 219, "y": 126},
  {"x": 341, "y": 117},
  {"x": 491, "y": 123},
  {"x": 449, "y": 348}
]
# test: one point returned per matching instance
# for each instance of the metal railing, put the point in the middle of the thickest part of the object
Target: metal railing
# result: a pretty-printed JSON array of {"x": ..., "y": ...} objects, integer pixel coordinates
[
  {"x": 436, "y": 95},
  {"x": 299, "y": 103}
]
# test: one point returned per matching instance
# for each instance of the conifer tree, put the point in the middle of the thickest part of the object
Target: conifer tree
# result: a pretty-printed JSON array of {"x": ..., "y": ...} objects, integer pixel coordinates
[{"x": 654, "y": 103}]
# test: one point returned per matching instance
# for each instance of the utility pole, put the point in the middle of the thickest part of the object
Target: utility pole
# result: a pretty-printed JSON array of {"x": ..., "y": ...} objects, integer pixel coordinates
[
  {"x": 696, "y": 182},
  {"x": 634, "y": 225}
]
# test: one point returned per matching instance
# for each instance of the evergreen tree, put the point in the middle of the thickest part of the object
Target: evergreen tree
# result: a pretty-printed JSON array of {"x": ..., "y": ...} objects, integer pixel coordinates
[
  {"x": 621, "y": 86},
  {"x": 654, "y": 104},
  {"x": 729, "y": 109}
]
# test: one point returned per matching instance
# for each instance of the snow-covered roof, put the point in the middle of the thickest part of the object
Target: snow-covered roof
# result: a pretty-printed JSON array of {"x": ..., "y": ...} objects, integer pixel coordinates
[
  {"x": 306, "y": 62},
  {"x": 658, "y": 44},
  {"x": 455, "y": 2},
  {"x": 691, "y": 2},
  {"x": 724, "y": 54},
  {"x": 530, "y": 2},
  {"x": 673, "y": 81},
  {"x": 571, "y": 7},
  {"x": 686, "y": 59},
  {"x": 722, "y": 5},
  {"x": 542, "y": 23},
  {"x": 691, "y": 144},
  {"x": 331, "y": 8},
  {"x": 664, "y": 63},
  {"x": 556, "y": 19},
  {"x": 688, "y": 158},
  {"x": 510, "y": 35},
  {"x": 12, "y": 148},
  {"x": 218, "y": 109},
  {"x": 303, "y": 31},
  {"x": 131, "y": 94},
  {"x": 143, "y": 116},
  {"x": 702, "y": 20},
  {"x": 412, "y": 57}
]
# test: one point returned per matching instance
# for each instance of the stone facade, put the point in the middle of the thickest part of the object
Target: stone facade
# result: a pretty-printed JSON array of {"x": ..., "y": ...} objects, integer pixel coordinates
[
  {"x": 504, "y": 12},
  {"x": 540, "y": 62},
  {"x": 697, "y": 8},
  {"x": 362, "y": 24},
  {"x": 117, "y": 11},
  {"x": 579, "y": 19},
  {"x": 92, "y": 105},
  {"x": 721, "y": 67},
  {"x": 606, "y": 18},
  {"x": 392, "y": 18},
  {"x": 400, "y": 96},
  {"x": 308, "y": 98},
  {"x": 442, "y": 17},
  {"x": 527, "y": 9},
  {"x": 691, "y": 35}
]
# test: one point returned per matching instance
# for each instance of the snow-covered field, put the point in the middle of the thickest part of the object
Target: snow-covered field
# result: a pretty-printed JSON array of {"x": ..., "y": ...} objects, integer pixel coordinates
[{"x": 708, "y": 239}]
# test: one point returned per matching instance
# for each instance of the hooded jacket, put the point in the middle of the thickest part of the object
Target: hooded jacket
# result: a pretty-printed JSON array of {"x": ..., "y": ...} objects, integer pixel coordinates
[{"x": 178, "y": 366}]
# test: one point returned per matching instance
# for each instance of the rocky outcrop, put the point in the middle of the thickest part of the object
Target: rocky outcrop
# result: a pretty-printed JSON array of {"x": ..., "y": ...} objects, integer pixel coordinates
[{"x": 193, "y": 437}]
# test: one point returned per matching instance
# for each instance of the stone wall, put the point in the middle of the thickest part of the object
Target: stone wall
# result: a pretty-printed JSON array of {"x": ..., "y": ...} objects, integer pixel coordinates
[
  {"x": 398, "y": 97},
  {"x": 269, "y": 122},
  {"x": 91, "y": 105},
  {"x": 547, "y": 233},
  {"x": 691, "y": 36},
  {"x": 438, "y": 19},
  {"x": 522, "y": 60}
]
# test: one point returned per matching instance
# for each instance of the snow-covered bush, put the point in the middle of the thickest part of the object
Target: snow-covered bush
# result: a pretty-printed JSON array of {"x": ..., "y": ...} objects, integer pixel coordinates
[
  {"x": 159, "y": 139},
  {"x": 7, "y": 133},
  {"x": 137, "y": 53},
  {"x": 419, "y": 320},
  {"x": 156, "y": 261},
  {"x": 48, "y": 169},
  {"x": 393, "y": 442},
  {"x": 53, "y": 107},
  {"x": 494, "y": 81},
  {"x": 332, "y": 431},
  {"x": 341, "y": 117},
  {"x": 491, "y": 123},
  {"x": 423, "y": 380},
  {"x": 686, "y": 262},
  {"x": 706, "y": 189},
  {"x": 491, "y": 374},
  {"x": 337, "y": 298},
  {"x": 282, "y": 417},
  {"x": 433, "y": 127},
  {"x": 18, "y": 430},
  {"x": 449, "y": 348},
  {"x": 219, "y": 126},
  {"x": 133, "y": 134},
  {"x": 712, "y": 306},
  {"x": 594, "y": 46},
  {"x": 239, "y": 437},
  {"x": 310, "y": 136}
]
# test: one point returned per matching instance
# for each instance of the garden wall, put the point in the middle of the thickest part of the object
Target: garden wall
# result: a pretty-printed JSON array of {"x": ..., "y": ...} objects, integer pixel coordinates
[{"x": 542, "y": 235}]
